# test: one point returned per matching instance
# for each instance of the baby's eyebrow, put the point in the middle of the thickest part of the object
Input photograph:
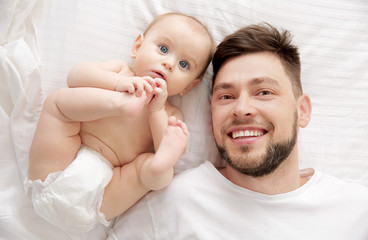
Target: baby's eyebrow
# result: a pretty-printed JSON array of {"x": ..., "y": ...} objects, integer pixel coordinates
[
  {"x": 165, "y": 39},
  {"x": 191, "y": 61}
]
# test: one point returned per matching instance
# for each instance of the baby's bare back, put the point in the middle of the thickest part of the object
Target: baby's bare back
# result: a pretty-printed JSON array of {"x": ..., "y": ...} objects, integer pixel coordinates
[{"x": 118, "y": 139}]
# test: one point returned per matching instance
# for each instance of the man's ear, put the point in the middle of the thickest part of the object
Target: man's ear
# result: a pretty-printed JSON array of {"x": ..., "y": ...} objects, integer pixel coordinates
[
  {"x": 304, "y": 110},
  {"x": 192, "y": 85},
  {"x": 137, "y": 44}
]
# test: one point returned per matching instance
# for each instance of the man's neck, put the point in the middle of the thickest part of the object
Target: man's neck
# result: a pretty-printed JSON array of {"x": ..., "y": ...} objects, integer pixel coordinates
[{"x": 284, "y": 179}]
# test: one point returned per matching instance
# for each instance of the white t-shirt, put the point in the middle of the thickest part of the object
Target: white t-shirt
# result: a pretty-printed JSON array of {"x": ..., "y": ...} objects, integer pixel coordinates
[{"x": 201, "y": 204}]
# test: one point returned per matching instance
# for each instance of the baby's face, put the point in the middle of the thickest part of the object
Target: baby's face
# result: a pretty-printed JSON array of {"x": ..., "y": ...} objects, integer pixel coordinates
[{"x": 176, "y": 49}]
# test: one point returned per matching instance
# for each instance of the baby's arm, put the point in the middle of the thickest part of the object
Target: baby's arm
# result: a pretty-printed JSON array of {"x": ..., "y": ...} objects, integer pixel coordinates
[
  {"x": 89, "y": 104},
  {"x": 112, "y": 75},
  {"x": 98, "y": 74}
]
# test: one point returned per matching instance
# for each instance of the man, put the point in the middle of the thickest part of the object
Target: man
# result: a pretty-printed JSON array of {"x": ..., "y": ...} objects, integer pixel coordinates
[{"x": 257, "y": 106}]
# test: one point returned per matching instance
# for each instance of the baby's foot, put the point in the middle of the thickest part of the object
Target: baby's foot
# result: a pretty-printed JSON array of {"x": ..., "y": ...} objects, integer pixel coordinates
[{"x": 172, "y": 146}]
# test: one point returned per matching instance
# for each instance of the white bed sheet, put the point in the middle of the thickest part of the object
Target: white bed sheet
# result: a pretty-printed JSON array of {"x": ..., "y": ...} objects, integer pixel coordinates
[{"x": 40, "y": 40}]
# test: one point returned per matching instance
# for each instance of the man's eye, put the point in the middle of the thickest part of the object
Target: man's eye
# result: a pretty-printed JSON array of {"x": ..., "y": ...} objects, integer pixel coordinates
[
  {"x": 226, "y": 97},
  {"x": 264, "y": 93},
  {"x": 163, "y": 49},
  {"x": 183, "y": 64}
]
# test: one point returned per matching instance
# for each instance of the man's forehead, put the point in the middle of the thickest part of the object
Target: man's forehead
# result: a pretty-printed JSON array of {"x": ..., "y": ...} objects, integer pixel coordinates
[{"x": 252, "y": 69}]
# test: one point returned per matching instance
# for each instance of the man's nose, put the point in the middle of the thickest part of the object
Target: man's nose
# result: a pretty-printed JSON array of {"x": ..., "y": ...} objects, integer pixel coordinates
[{"x": 244, "y": 107}]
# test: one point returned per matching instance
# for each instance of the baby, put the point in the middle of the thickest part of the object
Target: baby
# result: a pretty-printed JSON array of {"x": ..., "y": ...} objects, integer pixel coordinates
[{"x": 111, "y": 137}]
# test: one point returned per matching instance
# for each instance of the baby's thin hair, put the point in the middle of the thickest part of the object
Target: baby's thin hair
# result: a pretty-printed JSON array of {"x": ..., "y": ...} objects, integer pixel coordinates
[{"x": 162, "y": 16}]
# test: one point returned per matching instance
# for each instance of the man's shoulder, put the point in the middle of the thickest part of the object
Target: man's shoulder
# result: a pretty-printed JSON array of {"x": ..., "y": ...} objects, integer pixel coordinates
[
  {"x": 339, "y": 180},
  {"x": 342, "y": 186}
]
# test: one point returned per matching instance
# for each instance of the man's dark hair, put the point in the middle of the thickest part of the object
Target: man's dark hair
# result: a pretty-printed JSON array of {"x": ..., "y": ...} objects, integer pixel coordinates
[{"x": 261, "y": 38}]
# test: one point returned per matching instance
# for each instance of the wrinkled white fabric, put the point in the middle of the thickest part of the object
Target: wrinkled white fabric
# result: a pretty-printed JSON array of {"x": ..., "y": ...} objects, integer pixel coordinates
[
  {"x": 40, "y": 40},
  {"x": 71, "y": 199}
]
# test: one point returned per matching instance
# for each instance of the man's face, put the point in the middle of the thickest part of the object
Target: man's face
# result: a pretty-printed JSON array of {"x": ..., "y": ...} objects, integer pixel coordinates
[{"x": 254, "y": 113}]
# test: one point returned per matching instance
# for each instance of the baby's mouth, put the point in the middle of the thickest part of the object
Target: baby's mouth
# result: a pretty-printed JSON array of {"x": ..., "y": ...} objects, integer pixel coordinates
[{"x": 159, "y": 75}]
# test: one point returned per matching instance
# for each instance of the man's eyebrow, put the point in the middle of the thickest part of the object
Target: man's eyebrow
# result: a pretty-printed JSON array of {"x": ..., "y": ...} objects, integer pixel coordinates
[
  {"x": 264, "y": 80},
  {"x": 223, "y": 86},
  {"x": 253, "y": 82}
]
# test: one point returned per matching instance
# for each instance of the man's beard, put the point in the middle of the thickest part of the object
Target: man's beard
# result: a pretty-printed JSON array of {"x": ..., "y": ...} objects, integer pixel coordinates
[{"x": 276, "y": 153}]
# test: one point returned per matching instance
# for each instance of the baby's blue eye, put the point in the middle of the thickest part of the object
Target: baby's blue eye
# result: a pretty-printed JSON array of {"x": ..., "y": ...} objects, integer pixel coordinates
[
  {"x": 163, "y": 49},
  {"x": 183, "y": 64}
]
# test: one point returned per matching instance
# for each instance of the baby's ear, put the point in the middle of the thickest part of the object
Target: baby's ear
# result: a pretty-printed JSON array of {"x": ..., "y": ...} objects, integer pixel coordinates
[
  {"x": 137, "y": 44},
  {"x": 192, "y": 85}
]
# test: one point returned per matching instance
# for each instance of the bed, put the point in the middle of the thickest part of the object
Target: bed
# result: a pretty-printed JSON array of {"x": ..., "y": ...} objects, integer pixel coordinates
[{"x": 42, "y": 39}]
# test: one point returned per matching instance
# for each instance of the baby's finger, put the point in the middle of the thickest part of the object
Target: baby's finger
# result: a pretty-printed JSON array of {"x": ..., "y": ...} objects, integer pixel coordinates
[
  {"x": 157, "y": 91},
  {"x": 131, "y": 88},
  {"x": 147, "y": 87},
  {"x": 150, "y": 81},
  {"x": 160, "y": 83},
  {"x": 138, "y": 88}
]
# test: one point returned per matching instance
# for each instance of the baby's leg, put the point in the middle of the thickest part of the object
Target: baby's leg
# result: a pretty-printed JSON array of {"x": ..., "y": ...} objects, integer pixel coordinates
[
  {"x": 55, "y": 142},
  {"x": 125, "y": 188},
  {"x": 157, "y": 172},
  {"x": 172, "y": 146},
  {"x": 147, "y": 172}
]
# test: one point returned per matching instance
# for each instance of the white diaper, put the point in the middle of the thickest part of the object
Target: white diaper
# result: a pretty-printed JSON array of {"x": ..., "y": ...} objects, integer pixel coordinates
[{"x": 71, "y": 199}]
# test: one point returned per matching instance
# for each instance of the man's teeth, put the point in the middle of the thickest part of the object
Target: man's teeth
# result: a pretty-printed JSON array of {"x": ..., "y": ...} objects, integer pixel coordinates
[{"x": 247, "y": 133}]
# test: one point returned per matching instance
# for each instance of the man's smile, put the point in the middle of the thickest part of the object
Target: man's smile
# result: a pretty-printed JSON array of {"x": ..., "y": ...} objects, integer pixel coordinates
[{"x": 246, "y": 133}]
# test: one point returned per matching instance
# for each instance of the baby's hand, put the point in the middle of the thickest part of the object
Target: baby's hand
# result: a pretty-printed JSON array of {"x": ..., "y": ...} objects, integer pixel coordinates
[
  {"x": 159, "y": 95},
  {"x": 135, "y": 85}
]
